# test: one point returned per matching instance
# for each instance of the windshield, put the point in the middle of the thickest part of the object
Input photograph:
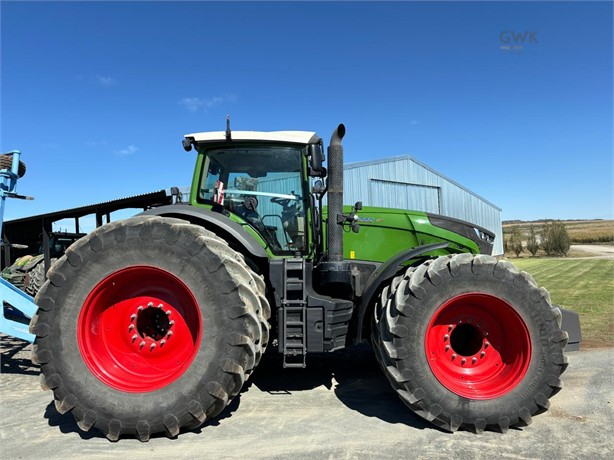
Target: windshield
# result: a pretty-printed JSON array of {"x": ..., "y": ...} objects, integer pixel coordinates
[{"x": 263, "y": 185}]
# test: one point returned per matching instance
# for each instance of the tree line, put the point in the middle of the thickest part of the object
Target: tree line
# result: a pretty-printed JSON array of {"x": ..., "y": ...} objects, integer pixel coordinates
[{"x": 552, "y": 238}]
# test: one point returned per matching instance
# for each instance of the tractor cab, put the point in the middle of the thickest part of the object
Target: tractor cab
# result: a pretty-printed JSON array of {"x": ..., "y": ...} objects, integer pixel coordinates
[{"x": 259, "y": 180}]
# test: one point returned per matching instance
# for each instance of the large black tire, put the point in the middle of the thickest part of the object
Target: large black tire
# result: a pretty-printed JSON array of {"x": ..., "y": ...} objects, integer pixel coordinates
[
  {"x": 35, "y": 278},
  {"x": 431, "y": 336},
  {"x": 202, "y": 282},
  {"x": 6, "y": 162}
]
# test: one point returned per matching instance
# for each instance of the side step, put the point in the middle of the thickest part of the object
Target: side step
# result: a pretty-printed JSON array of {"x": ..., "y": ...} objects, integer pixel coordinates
[{"x": 294, "y": 306}]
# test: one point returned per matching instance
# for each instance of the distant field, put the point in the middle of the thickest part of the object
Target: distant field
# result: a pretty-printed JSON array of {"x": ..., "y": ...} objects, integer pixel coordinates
[
  {"x": 580, "y": 231},
  {"x": 585, "y": 286}
]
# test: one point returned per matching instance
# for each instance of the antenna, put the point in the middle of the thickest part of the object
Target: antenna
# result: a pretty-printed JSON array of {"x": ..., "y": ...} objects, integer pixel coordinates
[{"x": 228, "y": 138}]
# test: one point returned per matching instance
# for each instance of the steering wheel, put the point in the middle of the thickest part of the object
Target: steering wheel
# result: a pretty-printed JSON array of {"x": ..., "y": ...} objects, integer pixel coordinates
[{"x": 284, "y": 202}]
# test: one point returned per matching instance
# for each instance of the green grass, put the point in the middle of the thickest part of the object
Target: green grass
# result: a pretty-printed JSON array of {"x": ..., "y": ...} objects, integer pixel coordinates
[{"x": 584, "y": 286}]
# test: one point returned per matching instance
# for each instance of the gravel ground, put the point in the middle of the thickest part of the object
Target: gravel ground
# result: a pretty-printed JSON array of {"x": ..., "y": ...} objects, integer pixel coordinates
[{"x": 341, "y": 406}]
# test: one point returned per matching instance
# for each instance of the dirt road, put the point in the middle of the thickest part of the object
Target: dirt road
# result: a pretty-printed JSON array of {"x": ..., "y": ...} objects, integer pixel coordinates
[
  {"x": 341, "y": 406},
  {"x": 598, "y": 250}
]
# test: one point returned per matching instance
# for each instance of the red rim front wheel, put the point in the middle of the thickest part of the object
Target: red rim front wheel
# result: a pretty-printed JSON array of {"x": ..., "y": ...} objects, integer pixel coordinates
[
  {"x": 477, "y": 346},
  {"x": 139, "y": 329}
]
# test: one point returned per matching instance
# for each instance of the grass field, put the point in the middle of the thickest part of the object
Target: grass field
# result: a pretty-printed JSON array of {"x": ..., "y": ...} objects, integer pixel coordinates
[{"x": 585, "y": 286}]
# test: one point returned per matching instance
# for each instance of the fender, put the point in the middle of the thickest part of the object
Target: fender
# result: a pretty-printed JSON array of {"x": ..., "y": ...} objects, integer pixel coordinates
[
  {"x": 386, "y": 272},
  {"x": 211, "y": 221}
]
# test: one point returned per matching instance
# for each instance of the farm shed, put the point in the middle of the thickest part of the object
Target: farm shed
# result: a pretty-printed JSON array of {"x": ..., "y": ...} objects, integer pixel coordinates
[{"x": 404, "y": 183}]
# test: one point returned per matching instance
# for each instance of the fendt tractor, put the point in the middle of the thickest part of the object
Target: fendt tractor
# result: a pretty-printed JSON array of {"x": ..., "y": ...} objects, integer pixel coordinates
[{"x": 153, "y": 324}]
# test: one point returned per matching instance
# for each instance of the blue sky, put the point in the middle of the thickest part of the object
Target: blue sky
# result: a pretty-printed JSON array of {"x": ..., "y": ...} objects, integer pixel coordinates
[{"x": 98, "y": 95}]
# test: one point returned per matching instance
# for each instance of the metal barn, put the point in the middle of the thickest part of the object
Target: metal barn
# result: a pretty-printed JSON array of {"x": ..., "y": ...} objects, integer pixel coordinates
[{"x": 404, "y": 183}]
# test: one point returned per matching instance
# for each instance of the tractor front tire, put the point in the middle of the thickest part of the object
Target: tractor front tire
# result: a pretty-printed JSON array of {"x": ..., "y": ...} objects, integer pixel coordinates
[
  {"x": 469, "y": 342},
  {"x": 148, "y": 325}
]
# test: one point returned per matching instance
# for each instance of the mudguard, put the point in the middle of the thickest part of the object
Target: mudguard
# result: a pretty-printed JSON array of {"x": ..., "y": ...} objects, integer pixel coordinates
[{"x": 215, "y": 222}]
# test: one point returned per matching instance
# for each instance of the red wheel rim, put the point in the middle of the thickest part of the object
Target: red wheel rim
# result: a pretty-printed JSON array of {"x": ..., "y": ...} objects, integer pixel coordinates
[
  {"x": 139, "y": 329},
  {"x": 478, "y": 346}
]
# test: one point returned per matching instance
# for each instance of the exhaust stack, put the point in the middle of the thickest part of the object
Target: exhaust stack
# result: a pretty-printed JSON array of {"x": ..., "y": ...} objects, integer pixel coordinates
[{"x": 335, "y": 195}]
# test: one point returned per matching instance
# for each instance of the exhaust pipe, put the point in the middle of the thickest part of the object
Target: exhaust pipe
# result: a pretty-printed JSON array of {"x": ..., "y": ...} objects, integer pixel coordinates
[{"x": 335, "y": 195}]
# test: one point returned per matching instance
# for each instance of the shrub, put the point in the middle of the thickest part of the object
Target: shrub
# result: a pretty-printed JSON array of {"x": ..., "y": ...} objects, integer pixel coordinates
[
  {"x": 532, "y": 244},
  {"x": 555, "y": 239},
  {"x": 515, "y": 242}
]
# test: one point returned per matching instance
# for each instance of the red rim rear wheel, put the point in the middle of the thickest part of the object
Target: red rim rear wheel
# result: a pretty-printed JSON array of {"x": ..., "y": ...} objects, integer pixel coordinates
[
  {"x": 139, "y": 329},
  {"x": 477, "y": 346}
]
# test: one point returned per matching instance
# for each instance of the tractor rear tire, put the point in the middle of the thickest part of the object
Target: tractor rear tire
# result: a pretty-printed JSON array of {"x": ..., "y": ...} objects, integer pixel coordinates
[
  {"x": 148, "y": 325},
  {"x": 469, "y": 342},
  {"x": 35, "y": 278},
  {"x": 6, "y": 162}
]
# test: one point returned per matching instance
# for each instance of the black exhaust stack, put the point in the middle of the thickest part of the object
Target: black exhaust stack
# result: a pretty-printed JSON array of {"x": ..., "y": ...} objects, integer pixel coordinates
[
  {"x": 333, "y": 272},
  {"x": 335, "y": 195}
]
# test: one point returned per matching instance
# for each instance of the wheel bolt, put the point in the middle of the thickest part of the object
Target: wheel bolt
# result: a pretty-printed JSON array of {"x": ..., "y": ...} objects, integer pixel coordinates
[
  {"x": 142, "y": 344},
  {"x": 130, "y": 327},
  {"x": 485, "y": 333},
  {"x": 134, "y": 337},
  {"x": 168, "y": 312},
  {"x": 170, "y": 333},
  {"x": 447, "y": 347},
  {"x": 446, "y": 337},
  {"x": 150, "y": 304},
  {"x": 170, "y": 323},
  {"x": 152, "y": 346},
  {"x": 162, "y": 342},
  {"x": 463, "y": 361},
  {"x": 450, "y": 327},
  {"x": 482, "y": 354},
  {"x": 160, "y": 306},
  {"x": 140, "y": 308},
  {"x": 454, "y": 356},
  {"x": 486, "y": 344},
  {"x": 132, "y": 316},
  {"x": 473, "y": 360}
]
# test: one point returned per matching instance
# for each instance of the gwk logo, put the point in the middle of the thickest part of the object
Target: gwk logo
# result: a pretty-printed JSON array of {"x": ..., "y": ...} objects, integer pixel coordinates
[{"x": 511, "y": 39}]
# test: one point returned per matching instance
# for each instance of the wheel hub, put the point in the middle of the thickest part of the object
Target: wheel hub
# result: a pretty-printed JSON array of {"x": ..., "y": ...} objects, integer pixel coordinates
[
  {"x": 478, "y": 346},
  {"x": 139, "y": 329}
]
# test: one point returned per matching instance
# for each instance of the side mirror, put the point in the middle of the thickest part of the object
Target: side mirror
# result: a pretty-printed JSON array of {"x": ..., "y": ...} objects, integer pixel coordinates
[
  {"x": 316, "y": 158},
  {"x": 187, "y": 145}
]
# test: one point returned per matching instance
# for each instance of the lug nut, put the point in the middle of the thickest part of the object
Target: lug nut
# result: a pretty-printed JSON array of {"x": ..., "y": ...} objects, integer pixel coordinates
[
  {"x": 170, "y": 333},
  {"x": 170, "y": 323},
  {"x": 132, "y": 316},
  {"x": 130, "y": 327},
  {"x": 134, "y": 337},
  {"x": 463, "y": 361},
  {"x": 142, "y": 344},
  {"x": 152, "y": 346},
  {"x": 486, "y": 344},
  {"x": 160, "y": 306},
  {"x": 447, "y": 347},
  {"x": 168, "y": 312},
  {"x": 150, "y": 304},
  {"x": 140, "y": 308},
  {"x": 473, "y": 360},
  {"x": 454, "y": 356},
  {"x": 482, "y": 354},
  {"x": 446, "y": 337},
  {"x": 162, "y": 342},
  {"x": 450, "y": 327}
]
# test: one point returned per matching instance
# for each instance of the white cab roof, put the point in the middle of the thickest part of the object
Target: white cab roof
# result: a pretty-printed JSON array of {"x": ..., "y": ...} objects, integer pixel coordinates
[{"x": 298, "y": 137}]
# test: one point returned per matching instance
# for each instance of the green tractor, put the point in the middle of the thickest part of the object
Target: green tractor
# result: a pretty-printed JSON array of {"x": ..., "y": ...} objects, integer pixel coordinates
[{"x": 154, "y": 323}]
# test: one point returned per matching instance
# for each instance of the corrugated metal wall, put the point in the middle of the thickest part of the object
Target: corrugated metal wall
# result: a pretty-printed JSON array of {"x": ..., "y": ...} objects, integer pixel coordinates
[{"x": 405, "y": 183}]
